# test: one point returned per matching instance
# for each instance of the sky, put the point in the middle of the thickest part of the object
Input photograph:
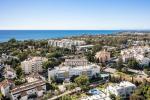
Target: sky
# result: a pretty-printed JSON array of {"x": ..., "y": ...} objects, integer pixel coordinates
[{"x": 74, "y": 14}]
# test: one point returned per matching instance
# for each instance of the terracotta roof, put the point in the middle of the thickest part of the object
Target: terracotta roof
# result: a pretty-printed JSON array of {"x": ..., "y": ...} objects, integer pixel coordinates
[
  {"x": 4, "y": 83},
  {"x": 39, "y": 88}
]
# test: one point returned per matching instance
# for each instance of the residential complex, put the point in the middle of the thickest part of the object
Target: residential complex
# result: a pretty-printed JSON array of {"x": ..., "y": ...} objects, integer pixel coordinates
[
  {"x": 137, "y": 52},
  {"x": 123, "y": 89},
  {"x": 25, "y": 91},
  {"x": 102, "y": 56},
  {"x": 33, "y": 65},
  {"x": 32, "y": 88},
  {"x": 66, "y": 43},
  {"x": 65, "y": 72}
]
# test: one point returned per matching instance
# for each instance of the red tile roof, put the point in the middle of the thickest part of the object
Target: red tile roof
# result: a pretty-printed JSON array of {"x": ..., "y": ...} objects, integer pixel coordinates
[{"x": 5, "y": 83}]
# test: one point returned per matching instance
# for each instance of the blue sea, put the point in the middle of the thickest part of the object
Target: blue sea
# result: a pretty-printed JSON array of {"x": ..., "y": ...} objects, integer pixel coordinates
[{"x": 5, "y": 35}]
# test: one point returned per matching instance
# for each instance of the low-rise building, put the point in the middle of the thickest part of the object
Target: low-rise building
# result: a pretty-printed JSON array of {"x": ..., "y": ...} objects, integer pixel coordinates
[
  {"x": 6, "y": 57},
  {"x": 5, "y": 87},
  {"x": 9, "y": 73},
  {"x": 84, "y": 47},
  {"x": 103, "y": 56},
  {"x": 33, "y": 65},
  {"x": 28, "y": 90},
  {"x": 123, "y": 89},
  {"x": 138, "y": 53},
  {"x": 75, "y": 62}
]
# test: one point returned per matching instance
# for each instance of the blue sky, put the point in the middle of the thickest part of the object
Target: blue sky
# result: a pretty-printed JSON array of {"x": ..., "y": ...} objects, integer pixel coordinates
[{"x": 75, "y": 14}]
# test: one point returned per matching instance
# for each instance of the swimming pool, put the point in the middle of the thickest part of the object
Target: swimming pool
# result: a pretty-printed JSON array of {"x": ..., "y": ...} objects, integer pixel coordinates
[{"x": 94, "y": 92}]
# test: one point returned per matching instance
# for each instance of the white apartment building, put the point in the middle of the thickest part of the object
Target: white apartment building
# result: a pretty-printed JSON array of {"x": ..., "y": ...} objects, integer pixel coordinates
[
  {"x": 33, "y": 65},
  {"x": 137, "y": 52},
  {"x": 123, "y": 89},
  {"x": 65, "y": 72},
  {"x": 24, "y": 91},
  {"x": 84, "y": 47},
  {"x": 65, "y": 43},
  {"x": 75, "y": 62}
]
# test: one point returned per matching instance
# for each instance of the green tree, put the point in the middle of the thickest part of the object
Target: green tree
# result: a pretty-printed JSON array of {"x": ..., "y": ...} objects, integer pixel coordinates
[
  {"x": 97, "y": 48},
  {"x": 66, "y": 97},
  {"x": 142, "y": 92},
  {"x": 136, "y": 97},
  {"x": 133, "y": 64},
  {"x": 53, "y": 86},
  {"x": 119, "y": 64},
  {"x": 90, "y": 56},
  {"x": 82, "y": 80},
  {"x": 71, "y": 86},
  {"x": 19, "y": 72},
  {"x": 112, "y": 96},
  {"x": 54, "y": 55},
  {"x": 22, "y": 56},
  {"x": 13, "y": 40},
  {"x": 47, "y": 64},
  {"x": 1, "y": 96},
  {"x": 148, "y": 93}
]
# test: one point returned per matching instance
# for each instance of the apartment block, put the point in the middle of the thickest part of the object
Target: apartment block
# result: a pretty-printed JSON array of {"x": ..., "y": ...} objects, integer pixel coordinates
[{"x": 33, "y": 65}]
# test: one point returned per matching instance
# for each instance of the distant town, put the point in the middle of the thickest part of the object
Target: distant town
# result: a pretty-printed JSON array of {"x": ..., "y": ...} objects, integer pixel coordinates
[{"x": 87, "y": 67}]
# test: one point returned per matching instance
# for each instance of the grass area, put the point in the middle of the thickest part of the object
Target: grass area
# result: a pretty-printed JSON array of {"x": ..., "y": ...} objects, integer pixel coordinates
[
  {"x": 101, "y": 87},
  {"x": 128, "y": 73},
  {"x": 77, "y": 96}
]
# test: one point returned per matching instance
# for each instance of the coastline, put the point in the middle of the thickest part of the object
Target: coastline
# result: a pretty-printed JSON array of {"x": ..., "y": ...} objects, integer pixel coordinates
[{"x": 22, "y": 35}]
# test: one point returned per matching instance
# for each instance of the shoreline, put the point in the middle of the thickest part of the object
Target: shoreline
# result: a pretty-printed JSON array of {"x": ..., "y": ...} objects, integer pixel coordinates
[
  {"x": 25, "y": 35},
  {"x": 22, "y": 35}
]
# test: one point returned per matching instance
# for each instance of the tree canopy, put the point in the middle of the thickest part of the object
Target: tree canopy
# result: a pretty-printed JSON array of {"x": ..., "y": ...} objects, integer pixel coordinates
[
  {"x": 82, "y": 80},
  {"x": 133, "y": 64}
]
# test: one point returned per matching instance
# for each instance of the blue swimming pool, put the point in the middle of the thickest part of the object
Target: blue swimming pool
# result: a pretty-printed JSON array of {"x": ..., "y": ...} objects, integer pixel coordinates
[{"x": 94, "y": 92}]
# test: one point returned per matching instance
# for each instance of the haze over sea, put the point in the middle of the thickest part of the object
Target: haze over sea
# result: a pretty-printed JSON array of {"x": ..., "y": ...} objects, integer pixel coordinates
[{"x": 5, "y": 35}]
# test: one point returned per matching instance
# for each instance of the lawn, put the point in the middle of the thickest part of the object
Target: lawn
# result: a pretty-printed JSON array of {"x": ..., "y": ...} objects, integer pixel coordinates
[
  {"x": 128, "y": 73},
  {"x": 77, "y": 96}
]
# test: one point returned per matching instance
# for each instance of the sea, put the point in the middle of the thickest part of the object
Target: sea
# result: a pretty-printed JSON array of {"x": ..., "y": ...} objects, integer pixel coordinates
[{"x": 6, "y": 35}]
